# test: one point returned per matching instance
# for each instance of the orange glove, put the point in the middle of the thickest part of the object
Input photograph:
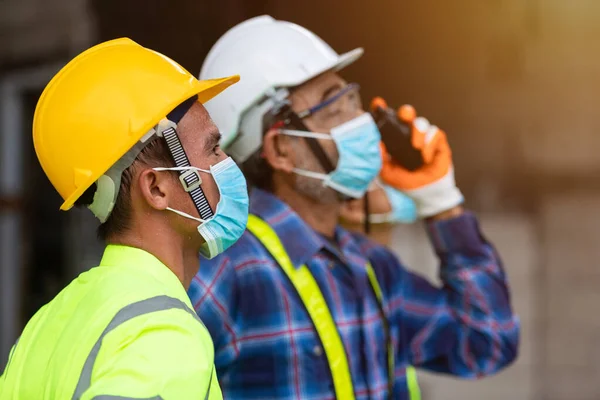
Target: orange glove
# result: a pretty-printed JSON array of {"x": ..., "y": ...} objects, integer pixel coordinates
[{"x": 432, "y": 186}]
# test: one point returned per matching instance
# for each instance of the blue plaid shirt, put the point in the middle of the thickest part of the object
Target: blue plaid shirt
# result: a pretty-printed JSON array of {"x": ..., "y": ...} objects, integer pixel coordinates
[{"x": 266, "y": 346}]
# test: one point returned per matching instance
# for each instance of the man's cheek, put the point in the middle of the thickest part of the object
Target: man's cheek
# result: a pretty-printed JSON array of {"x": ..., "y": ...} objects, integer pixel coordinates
[
  {"x": 333, "y": 153},
  {"x": 330, "y": 149},
  {"x": 213, "y": 195}
]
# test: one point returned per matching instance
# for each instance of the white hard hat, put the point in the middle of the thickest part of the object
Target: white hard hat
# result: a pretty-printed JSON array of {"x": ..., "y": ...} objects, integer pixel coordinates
[{"x": 268, "y": 55}]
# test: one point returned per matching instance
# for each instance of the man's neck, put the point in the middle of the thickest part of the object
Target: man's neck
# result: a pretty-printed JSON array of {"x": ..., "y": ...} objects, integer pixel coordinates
[
  {"x": 177, "y": 254},
  {"x": 323, "y": 218}
]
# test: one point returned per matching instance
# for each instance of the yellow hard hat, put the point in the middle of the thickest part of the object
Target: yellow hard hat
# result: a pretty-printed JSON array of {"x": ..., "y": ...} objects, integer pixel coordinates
[{"x": 98, "y": 106}]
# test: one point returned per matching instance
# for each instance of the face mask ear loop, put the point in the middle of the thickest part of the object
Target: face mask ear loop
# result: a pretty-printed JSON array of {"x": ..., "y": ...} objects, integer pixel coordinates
[
  {"x": 185, "y": 215},
  {"x": 309, "y": 174},
  {"x": 305, "y": 134}
]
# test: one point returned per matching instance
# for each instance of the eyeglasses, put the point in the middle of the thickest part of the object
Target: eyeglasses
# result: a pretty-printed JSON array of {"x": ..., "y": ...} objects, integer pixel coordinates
[{"x": 338, "y": 108}]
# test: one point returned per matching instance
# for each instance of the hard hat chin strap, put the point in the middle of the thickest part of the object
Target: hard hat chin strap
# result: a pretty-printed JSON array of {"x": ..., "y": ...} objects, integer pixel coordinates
[
  {"x": 190, "y": 178},
  {"x": 108, "y": 184}
]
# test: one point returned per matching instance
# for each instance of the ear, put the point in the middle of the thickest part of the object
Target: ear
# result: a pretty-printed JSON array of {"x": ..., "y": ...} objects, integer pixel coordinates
[
  {"x": 154, "y": 188},
  {"x": 277, "y": 150}
]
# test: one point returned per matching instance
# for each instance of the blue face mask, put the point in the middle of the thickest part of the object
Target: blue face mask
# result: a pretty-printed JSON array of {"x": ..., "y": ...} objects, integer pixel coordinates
[
  {"x": 404, "y": 209},
  {"x": 359, "y": 160},
  {"x": 228, "y": 223}
]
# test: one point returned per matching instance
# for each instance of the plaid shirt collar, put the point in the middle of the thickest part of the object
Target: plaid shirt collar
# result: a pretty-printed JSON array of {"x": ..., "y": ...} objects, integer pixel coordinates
[{"x": 300, "y": 241}]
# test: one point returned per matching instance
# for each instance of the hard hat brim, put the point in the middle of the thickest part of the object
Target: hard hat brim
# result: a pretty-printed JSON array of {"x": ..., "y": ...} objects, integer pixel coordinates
[
  {"x": 340, "y": 63},
  {"x": 348, "y": 58},
  {"x": 205, "y": 89},
  {"x": 210, "y": 88},
  {"x": 336, "y": 65}
]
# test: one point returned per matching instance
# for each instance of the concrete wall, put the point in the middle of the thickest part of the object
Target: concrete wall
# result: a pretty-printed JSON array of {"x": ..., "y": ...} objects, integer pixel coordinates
[{"x": 569, "y": 317}]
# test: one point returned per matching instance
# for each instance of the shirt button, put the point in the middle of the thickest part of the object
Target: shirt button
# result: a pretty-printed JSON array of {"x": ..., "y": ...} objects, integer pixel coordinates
[
  {"x": 317, "y": 351},
  {"x": 331, "y": 265}
]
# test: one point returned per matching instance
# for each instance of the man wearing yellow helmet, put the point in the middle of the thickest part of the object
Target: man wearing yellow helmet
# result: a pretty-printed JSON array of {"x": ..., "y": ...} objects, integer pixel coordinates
[{"x": 122, "y": 130}]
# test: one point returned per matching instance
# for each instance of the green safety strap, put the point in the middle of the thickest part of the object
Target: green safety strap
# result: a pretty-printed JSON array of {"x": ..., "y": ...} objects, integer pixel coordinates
[
  {"x": 311, "y": 296},
  {"x": 317, "y": 308},
  {"x": 411, "y": 376},
  {"x": 413, "y": 384}
]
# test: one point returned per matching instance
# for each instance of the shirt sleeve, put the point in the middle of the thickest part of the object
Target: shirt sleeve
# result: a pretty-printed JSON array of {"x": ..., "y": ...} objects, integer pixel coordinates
[
  {"x": 465, "y": 328},
  {"x": 166, "y": 355},
  {"x": 213, "y": 293}
]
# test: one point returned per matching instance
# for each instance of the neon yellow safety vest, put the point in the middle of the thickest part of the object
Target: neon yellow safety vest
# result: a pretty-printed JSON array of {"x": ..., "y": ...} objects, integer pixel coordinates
[
  {"x": 123, "y": 330},
  {"x": 317, "y": 308}
]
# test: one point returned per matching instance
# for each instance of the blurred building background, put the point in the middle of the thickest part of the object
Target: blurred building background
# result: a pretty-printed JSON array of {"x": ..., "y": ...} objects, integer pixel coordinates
[{"x": 513, "y": 82}]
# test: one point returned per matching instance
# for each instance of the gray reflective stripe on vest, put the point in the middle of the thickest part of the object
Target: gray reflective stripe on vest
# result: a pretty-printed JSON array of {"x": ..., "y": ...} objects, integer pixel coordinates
[
  {"x": 153, "y": 304},
  {"x": 109, "y": 397},
  {"x": 209, "y": 384}
]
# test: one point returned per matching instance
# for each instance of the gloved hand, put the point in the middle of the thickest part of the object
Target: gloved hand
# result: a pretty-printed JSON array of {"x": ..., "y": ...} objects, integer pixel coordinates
[{"x": 431, "y": 186}]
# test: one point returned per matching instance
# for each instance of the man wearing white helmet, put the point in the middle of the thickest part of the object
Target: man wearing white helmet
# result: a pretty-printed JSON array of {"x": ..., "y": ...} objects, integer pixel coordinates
[{"x": 300, "y": 308}]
